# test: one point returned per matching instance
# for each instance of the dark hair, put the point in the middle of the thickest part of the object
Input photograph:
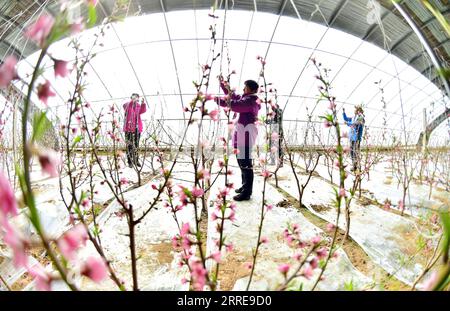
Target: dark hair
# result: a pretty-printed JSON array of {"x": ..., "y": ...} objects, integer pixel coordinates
[
  {"x": 252, "y": 85},
  {"x": 134, "y": 94}
]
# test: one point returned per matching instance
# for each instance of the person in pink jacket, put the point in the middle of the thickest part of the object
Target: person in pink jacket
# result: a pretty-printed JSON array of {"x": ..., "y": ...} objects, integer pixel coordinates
[{"x": 133, "y": 127}]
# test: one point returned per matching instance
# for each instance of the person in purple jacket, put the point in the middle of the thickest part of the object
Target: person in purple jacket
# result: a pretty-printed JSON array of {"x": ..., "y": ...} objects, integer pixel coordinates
[
  {"x": 133, "y": 127},
  {"x": 245, "y": 133}
]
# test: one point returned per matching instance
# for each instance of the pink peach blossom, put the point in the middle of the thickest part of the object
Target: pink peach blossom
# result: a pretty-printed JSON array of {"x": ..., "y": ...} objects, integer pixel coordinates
[
  {"x": 60, "y": 67},
  {"x": 72, "y": 240},
  {"x": 330, "y": 227},
  {"x": 8, "y": 203},
  {"x": 316, "y": 240},
  {"x": 175, "y": 242},
  {"x": 95, "y": 268},
  {"x": 297, "y": 256},
  {"x": 44, "y": 92},
  {"x": 284, "y": 268},
  {"x": 41, "y": 277},
  {"x": 185, "y": 229},
  {"x": 40, "y": 30},
  {"x": 14, "y": 240},
  {"x": 49, "y": 161},
  {"x": 337, "y": 163},
  {"x": 8, "y": 71},
  {"x": 77, "y": 26},
  {"x": 216, "y": 257},
  {"x": 203, "y": 174},
  {"x": 85, "y": 203},
  {"x": 92, "y": 2},
  {"x": 262, "y": 160},
  {"x": 197, "y": 192},
  {"x": 209, "y": 97},
  {"x": 401, "y": 205},
  {"x": 314, "y": 263},
  {"x": 232, "y": 216},
  {"x": 198, "y": 275},
  {"x": 214, "y": 216},
  {"x": 214, "y": 115},
  {"x": 430, "y": 282},
  {"x": 307, "y": 272},
  {"x": 321, "y": 253},
  {"x": 264, "y": 240},
  {"x": 266, "y": 174},
  {"x": 229, "y": 247}
]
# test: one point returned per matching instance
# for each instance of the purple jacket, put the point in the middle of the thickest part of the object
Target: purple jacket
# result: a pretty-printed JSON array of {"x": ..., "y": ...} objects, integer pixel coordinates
[
  {"x": 133, "y": 111},
  {"x": 247, "y": 106}
]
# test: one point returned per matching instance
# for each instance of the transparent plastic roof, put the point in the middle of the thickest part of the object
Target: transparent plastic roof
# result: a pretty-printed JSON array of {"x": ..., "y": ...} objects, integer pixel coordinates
[{"x": 159, "y": 55}]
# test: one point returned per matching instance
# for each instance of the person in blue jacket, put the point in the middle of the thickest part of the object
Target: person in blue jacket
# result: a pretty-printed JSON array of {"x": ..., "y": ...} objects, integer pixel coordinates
[{"x": 357, "y": 127}]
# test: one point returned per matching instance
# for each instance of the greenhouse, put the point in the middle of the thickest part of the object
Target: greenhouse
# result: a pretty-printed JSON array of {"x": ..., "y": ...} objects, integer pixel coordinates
[{"x": 220, "y": 145}]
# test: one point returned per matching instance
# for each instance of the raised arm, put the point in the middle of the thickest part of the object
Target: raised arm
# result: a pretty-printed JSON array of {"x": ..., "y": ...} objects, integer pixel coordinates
[
  {"x": 224, "y": 100},
  {"x": 143, "y": 108},
  {"x": 346, "y": 119},
  {"x": 241, "y": 104},
  {"x": 224, "y": 85}
]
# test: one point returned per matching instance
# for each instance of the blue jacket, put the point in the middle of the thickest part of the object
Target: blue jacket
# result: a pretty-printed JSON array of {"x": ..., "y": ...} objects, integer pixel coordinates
[{"x": 357, "y": 126}]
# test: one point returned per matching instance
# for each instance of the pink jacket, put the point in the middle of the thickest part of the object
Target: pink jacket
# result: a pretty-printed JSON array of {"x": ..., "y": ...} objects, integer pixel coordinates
[
  {"x": 246, "y": 131},
  {"x": 133, "y": 111}
]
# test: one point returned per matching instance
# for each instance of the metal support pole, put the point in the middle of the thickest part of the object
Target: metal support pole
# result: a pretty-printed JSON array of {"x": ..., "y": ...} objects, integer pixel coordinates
[
  {"x": 425, "y": 43},
  {"x": 425, "y": 137}
]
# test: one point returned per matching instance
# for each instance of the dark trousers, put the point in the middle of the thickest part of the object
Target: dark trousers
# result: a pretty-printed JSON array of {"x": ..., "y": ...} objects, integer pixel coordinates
[
  {"x": 280, "y": 148},
  {"x": 132, "y": 142},
  {"x": 355, "y": 151},
  {"x": 246, "y": 166}
]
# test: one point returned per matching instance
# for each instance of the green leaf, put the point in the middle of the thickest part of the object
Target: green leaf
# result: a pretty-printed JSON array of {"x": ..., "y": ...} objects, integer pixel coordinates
[
  {"x": 445, "y": 217},
  {"x": 28, "y": 199},
  {"x": 445, "y": 73},
  {"x": 349, "y": 286},
  {"x": 41, "y": 124},
  {"x": 327, "y": 117},
  {"x": 441, "y": 19},
  {"x": 96, "y": 231},
  {"x": 76, "y": 140},
  {"x": 92, "y": 16},
  {"x": 60, "y": 29}
]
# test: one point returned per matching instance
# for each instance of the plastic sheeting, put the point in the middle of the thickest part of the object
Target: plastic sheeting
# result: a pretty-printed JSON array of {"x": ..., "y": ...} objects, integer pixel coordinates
[
  {"x": 155, "y": 231},
  {"x": 244, "y": 232},
  {"x": 389, "y": 239},
  {"x": 383, "y": 185}
]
